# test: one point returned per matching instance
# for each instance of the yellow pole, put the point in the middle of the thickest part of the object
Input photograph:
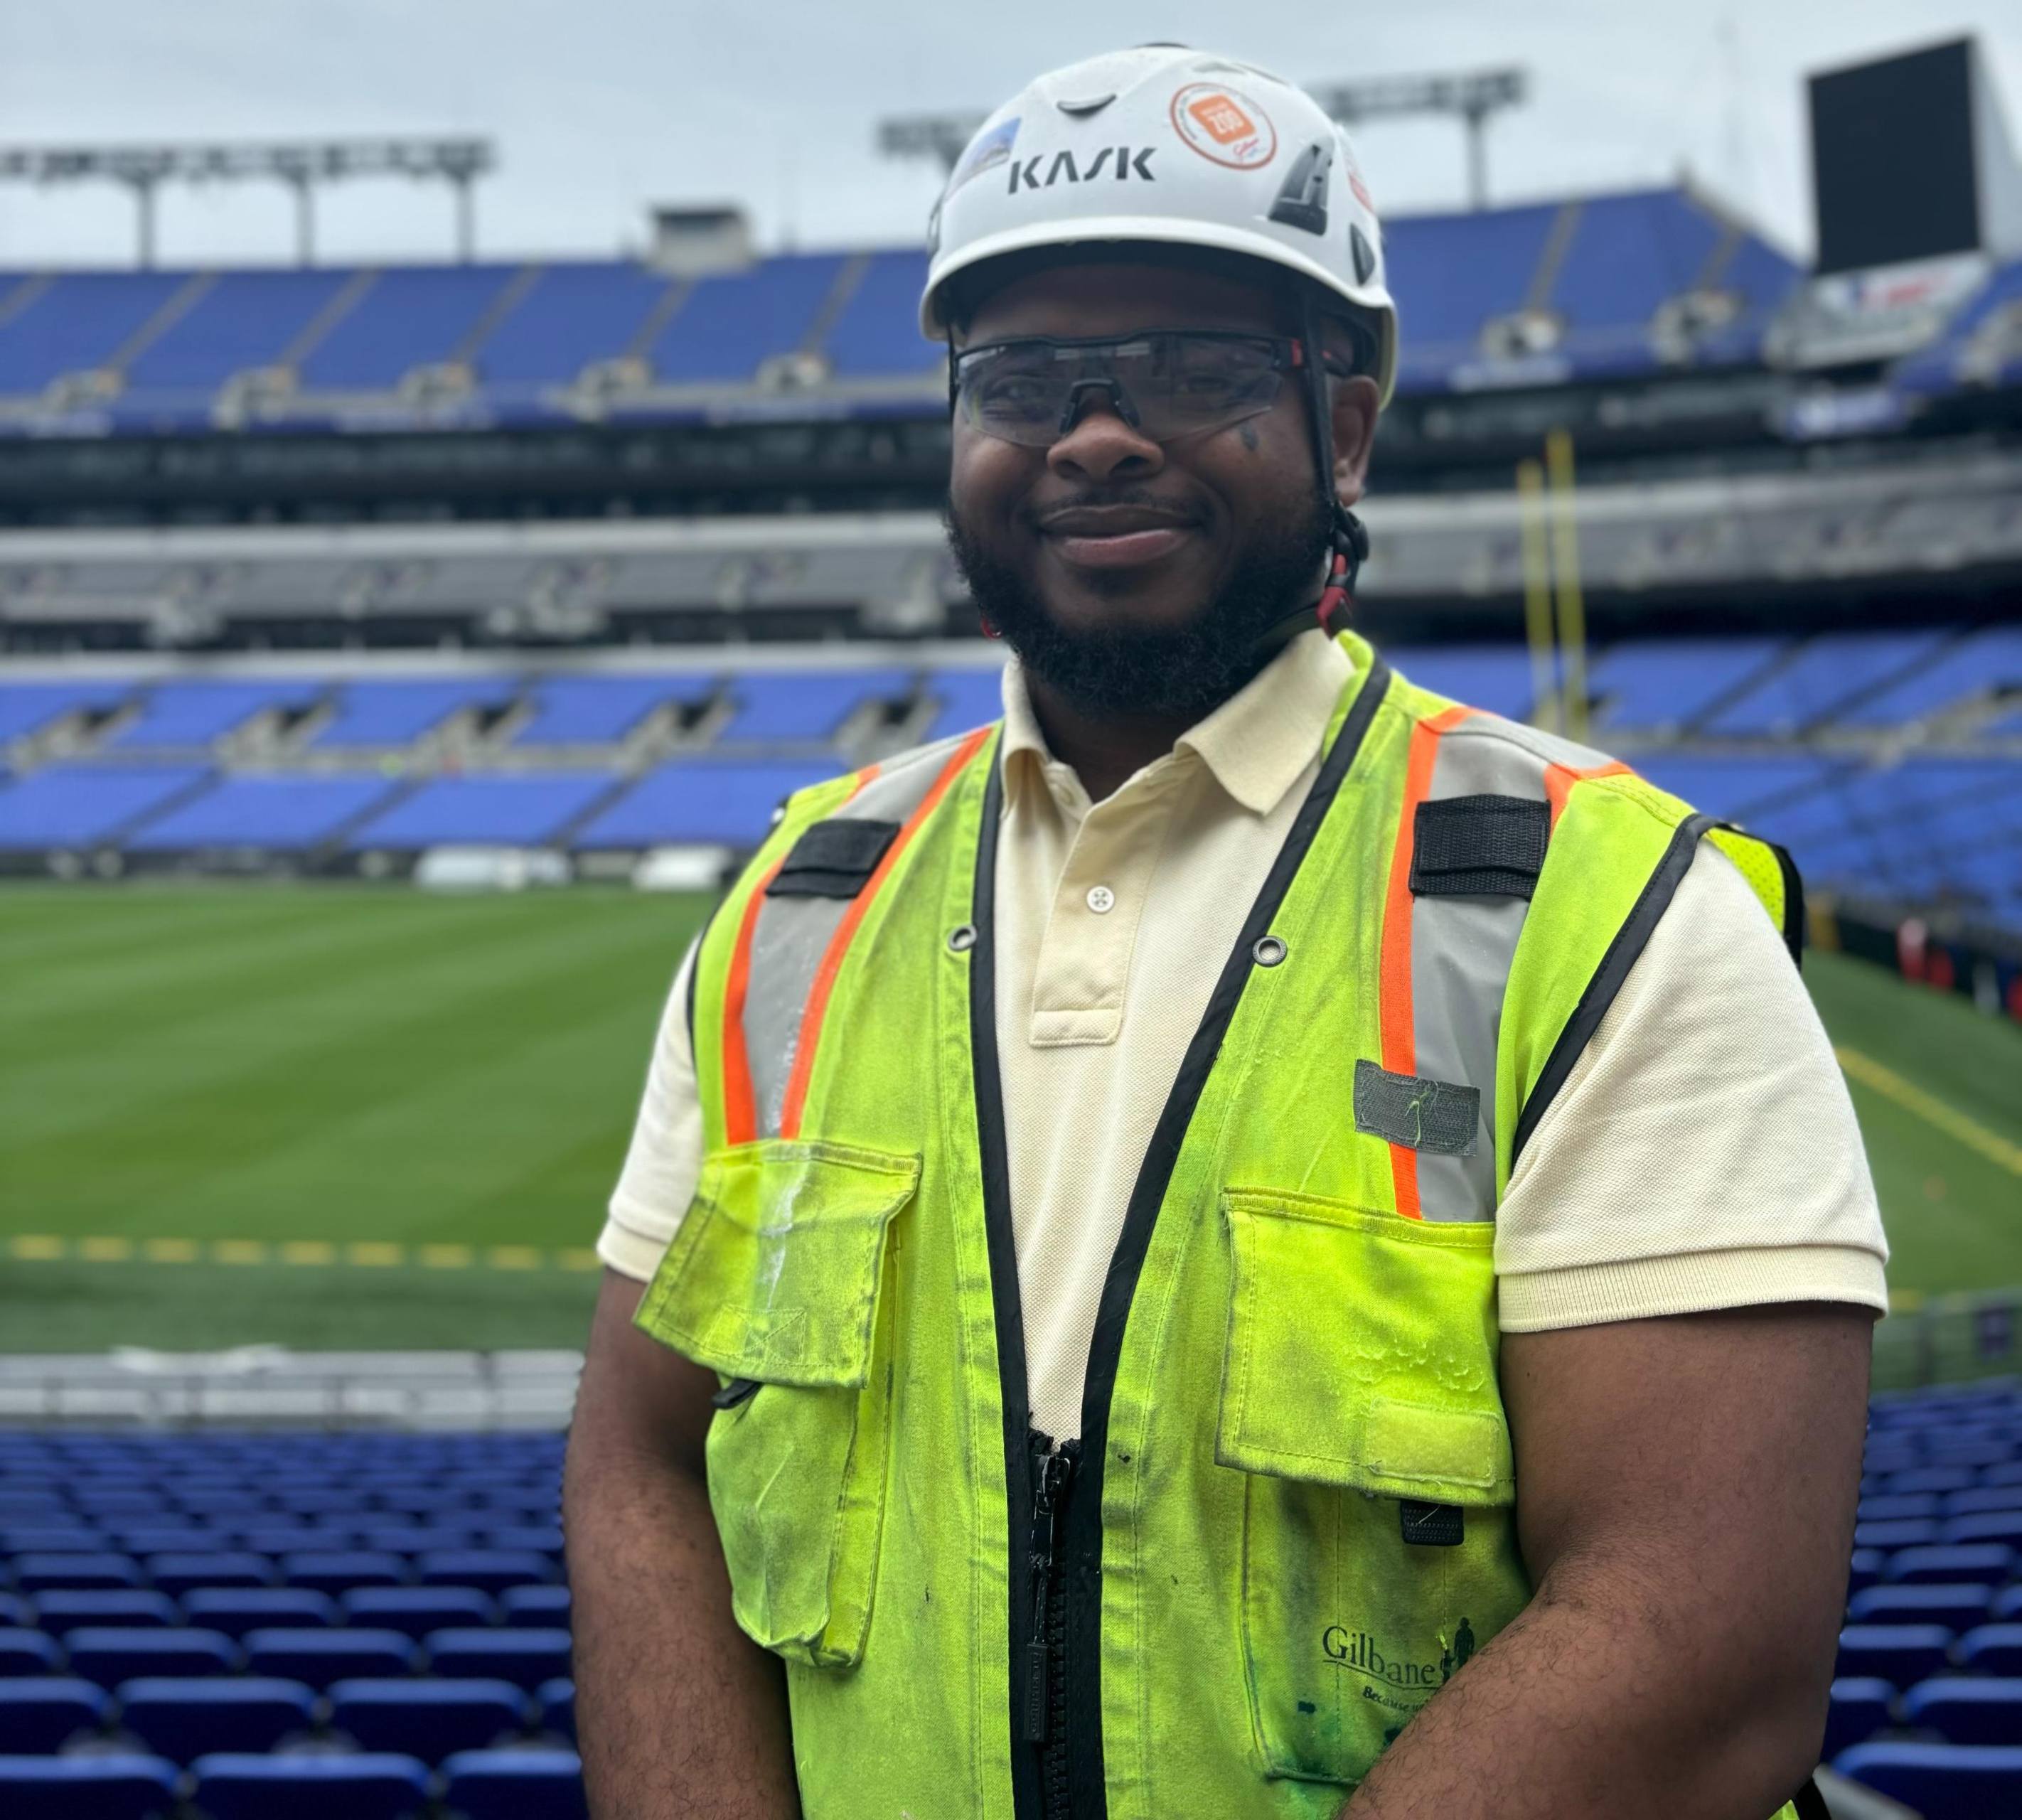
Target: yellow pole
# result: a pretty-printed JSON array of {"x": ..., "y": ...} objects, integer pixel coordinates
[
  {"x": 1565, "y": 559},
  {"x": 1544, "y": 702}
]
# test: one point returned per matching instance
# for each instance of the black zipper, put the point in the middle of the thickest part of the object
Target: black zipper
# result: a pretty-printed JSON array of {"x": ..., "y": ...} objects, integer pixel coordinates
[{"x": 1072, "y": 1751}]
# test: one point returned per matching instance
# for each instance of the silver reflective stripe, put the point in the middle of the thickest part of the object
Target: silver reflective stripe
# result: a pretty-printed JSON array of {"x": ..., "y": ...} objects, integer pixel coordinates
[
  {"x": 1462, "y": 948},
  {"x": 793, "y": 934}
]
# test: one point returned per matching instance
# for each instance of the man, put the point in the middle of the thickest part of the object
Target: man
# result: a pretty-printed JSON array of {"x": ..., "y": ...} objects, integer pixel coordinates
[{"x": 1251, "y": 1240}]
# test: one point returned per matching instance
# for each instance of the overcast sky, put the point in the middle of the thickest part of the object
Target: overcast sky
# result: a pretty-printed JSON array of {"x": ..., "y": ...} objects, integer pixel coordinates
[{"x": 602, "y": 107}]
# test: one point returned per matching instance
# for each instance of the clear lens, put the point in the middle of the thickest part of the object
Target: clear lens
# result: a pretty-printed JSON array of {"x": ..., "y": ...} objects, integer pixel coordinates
[{"x": 1168, "y": 385}]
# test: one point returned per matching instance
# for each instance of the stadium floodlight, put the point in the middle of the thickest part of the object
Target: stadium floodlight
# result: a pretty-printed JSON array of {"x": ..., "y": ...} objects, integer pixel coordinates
[
  {"x": 941, "y": 135},
  {"x": 300, "y": 164},
  {"x": 1474, "y": 97}
]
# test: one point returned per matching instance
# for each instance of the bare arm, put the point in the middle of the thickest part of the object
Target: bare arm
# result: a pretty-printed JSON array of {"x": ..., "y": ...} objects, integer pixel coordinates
[
  {"x": 1686, "y": 1492},
  {"x": 681, "y": 1716}
]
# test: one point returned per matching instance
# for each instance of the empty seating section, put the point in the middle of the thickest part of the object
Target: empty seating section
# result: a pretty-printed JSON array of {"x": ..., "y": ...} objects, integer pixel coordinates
[
  {"x": 1671, "y": 683},
  {"x": 279, "y": 813},
  {"x": 410, "y": 316},
  {"x": 731, "y": 322},
  {"x": 1818, "y": 676},
  {"x": 74, "y": 323},
  {"x": 63, "y": 805},
  {"x": 877, "y": 333},
  {"x": 601, "y": 710},
  {"x": 393, "y": 713},
  {"x": 704, "y": 801},
  {"x": 777, "y": 706},
  {"x": 963, "y": 699},
  {"x": 1494, "y": 677},
  {"x": 522, "y": 809},
  {"x": 28, "y": 708},
  {"x": 1976, "y": 667},
  {"x": 1455, "y": 273},
  {"x": 193, "y": 714},
  {"x": 245, "y": 320},
  {"x": 573, "y": 316}
]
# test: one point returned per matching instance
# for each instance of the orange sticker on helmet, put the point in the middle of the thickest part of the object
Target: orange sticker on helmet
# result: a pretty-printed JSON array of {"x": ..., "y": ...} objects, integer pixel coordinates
[{"x": 1224, "y": 126}]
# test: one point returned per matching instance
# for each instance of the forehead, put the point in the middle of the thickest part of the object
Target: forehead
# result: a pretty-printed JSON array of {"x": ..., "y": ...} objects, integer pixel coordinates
[{"x": 1101, "y": 296}]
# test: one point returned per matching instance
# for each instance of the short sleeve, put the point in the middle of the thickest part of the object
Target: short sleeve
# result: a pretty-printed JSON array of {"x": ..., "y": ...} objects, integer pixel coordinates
[
  {"x": 1702, "y": 1153},
  {"x": 658, "y": 1179}
]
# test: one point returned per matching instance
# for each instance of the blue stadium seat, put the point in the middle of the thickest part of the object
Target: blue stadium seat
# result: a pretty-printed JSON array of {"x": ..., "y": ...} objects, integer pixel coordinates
[
  {"x": 601, "y": 710},
  {"x": 1990, "y": 1563},
  {"x": 557, "y": 1705},
  {"x": 1986, "y": 1525},
  {"x": 416, "y": 1610},
  {"x": 77, "y": 1573},
  {"x": 245, "y": 320},
  {"x": 44, "y": 1537},
  {"x": 107, "y": 1653},
  {"x": 396, "y": 711},
  {"x": 339, "y": 1570},
  {"x": 412, "y": 315},
  {"x": 730, "y": 322},
  {"x": 372, "y": 1785},
  {"x": 1896, "y": 1533},
  {"x": 23, "y": 1651},
  {"x": 13, "y": 1610},
  {"x": 1940, "y": 1478},
  {"x": 123, "y": 1786},
  {"x": 236, "y": 1610},
  {"x": 100, "y": 1500},
  {"x": 492, "y": 1569},
  {"x": 1858, "y": 1710},
  {"x": 43, "y": 1713},
  {"x": 1967, "y": 1709},
  {"x": 777, "y": 705},
  {"x": 183, "y": 1718},
  {"x": 876, "y": 332},
  {"x": 320, "y": 1657},
  {"x": 702, "y": 800},
  {"x": 1904, "y": 1654},
  {"x": 28, "y": 708},
  {"x": 526, "y": 1657},
  {"x": 524, "y": 808},
  {"x": 575, "y": 315},
  {"x": 1939, "y": 1782},
  {"x": 152, "y": 1537},
  {"x": 1971, "y": 1500},
  {"x": 1898, "y": 1504},
  {"x": 536, "y": 1607},
  {"x": 78, "y": 323},
  {"x": 179, "y": 1572},
  {"x": 66, "y": 1610},
  {"x": 1959, "y": 1606},
  {"x": 322, "y": 1501},
  {"x": 187, "y": 715},
  {"x": 429, "y": 1718},
  {"x": 515, "y": 1784},
  {"x": 1992, "y": 1649},
  {"x": 541, "y": 1538},
  {"x": 282, "y": 813}
]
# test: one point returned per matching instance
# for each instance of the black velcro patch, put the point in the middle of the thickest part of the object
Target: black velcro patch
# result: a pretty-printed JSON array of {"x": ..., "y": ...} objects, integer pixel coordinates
[
  {"x": 1479, "y": 846},
  {"x": 1437, "y": 1116},
  {"x": 1431, "y": 1526},
  {"x": 833, "y": 858}
]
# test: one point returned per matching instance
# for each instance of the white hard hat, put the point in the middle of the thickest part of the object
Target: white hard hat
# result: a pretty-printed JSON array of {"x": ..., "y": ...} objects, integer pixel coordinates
[{"x": 1174, "y": 147}]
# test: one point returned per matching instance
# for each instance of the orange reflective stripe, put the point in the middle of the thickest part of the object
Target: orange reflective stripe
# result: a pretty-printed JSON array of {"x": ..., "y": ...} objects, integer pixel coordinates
[
  {"x": 1559, "y": 779},
  {"x": 831, "y": 960},
  {"x": 740, "y": 1106},
  {"x": 1394, "y": 968}
]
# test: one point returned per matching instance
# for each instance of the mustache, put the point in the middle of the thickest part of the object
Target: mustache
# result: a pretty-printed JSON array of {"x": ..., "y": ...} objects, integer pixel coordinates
[{"x": 1140, "y": 497}]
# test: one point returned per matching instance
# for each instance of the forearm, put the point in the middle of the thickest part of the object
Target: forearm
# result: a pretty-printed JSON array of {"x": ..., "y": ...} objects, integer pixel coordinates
[
  {"x": 681, "y": 1716},
  {"x": 1596, "y": 1702}
]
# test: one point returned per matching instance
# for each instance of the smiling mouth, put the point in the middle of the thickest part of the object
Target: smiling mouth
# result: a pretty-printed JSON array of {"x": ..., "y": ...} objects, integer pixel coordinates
[{"x": 1114, "y": 537}]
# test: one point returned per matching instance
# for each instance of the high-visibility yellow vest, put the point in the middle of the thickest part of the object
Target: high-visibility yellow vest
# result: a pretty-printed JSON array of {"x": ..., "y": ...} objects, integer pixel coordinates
[{"x": 1288, "y": 1518}]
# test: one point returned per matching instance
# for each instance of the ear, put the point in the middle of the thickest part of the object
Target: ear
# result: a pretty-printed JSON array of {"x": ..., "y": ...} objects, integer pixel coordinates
[{"x": 1355, "y": 402}]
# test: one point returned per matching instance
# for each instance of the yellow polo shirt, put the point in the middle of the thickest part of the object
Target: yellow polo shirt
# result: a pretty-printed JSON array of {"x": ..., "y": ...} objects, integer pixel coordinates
[{"x": 1703, "y": 1153}]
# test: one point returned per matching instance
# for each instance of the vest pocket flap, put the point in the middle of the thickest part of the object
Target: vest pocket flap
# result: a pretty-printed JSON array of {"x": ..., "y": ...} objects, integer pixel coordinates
[
  {"x": 1361, "y": 1351},
  {"x": 773, "y": 1275}
]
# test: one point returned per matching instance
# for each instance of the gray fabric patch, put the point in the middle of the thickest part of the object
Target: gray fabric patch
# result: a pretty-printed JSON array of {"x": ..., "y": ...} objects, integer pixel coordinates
[{"x": 1421, "y": 1114}]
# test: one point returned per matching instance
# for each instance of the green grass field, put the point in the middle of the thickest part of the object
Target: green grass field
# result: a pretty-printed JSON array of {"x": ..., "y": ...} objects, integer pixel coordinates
[{"x": 364, "y": 1116}]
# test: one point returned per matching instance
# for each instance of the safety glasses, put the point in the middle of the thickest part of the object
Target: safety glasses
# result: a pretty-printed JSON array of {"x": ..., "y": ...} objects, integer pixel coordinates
[{"x": 1165, "y": 383}]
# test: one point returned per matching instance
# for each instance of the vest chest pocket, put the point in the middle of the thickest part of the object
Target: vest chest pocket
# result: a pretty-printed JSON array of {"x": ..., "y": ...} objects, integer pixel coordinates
[
  {"x": 1359, "y": 1399},
  {"x": 774, "y": 1281}
]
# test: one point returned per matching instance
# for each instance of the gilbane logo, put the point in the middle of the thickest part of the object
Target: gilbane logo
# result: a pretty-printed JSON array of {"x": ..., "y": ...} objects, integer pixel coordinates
[{"x": 1117, "y": 161}]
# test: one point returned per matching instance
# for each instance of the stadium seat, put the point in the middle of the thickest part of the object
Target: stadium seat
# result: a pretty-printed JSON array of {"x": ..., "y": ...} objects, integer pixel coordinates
[
  {"x": 1986, "y": 1525},
  {"x": 185, "y": 1719},
  {"x": 1939, "y": 1478},
  {"x": 13, "y": 1610},
  {"x": 1959, "y": 1607},
  {"x": 179, "y": 1573},
  {"x": 234, "y": 1786},
  {"x": 535, "y": 1607},
  {"x": 525, "y": 1657},
  {"x": 236, "y": 1610},
  {"x": 27, "y": 1652},
  {"x": 429, "y": 1718},
  {"x": 1990, "y": 1563},
  {"x": 557, "y": 1704},
  {"x": 1967, "y": 1709},
  {"x": 320, "y": 1657},
  {"x": 1894, "y": 1504},
  {"x": 1896, "y": 1533},
  {"x": 416, "y": 1610},
  {"x": 108, "y": 1654},
  {"x": 1858, "y": 1709},
  {"x": 66, "y": 1610},
  {"x": 491, "y": 1569},
  {"x": 65, "y": 1538},
  {"x": 1972, "y": 1500},
  {"x": 1903, "y": 1653},
  {"x": 79, "y": 1573},
  {"x": 515, "y": 1784},
  {"x": 338, "y": 1570},
  {"x": 541, "y": 1538},
  {"x": 43, "y": 1713},
  {"x": 1992, "y": 1649},
  {"x": 1939, "y": 1782},
  {"x": 122, "y": 1786}
]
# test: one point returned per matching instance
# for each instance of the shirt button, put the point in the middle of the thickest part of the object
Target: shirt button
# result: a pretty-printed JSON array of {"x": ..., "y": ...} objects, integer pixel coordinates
[{"x": 1101, "y": 900}]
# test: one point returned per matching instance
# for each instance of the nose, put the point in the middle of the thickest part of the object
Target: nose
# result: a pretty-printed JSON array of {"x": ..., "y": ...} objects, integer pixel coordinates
[{"x": 1101, "y": 445}]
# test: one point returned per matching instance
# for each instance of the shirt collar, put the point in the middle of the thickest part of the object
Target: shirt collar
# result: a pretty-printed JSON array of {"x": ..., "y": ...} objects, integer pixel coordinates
[{"x": 1256, "y": 744}]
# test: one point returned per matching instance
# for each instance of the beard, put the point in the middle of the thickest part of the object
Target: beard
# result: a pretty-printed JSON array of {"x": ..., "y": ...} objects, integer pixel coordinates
[{"x": 1162, "y": 670}]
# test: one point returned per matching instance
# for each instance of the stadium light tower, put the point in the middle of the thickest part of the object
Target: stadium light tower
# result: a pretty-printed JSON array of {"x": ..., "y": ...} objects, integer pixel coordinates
[
  {"x": 1474, "y": 97},
  {"x": 301, "y": 165},
  {"x": 941, "y": 135}
]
